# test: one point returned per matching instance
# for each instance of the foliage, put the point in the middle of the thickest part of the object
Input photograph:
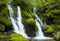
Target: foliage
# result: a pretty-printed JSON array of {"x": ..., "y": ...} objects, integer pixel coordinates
[
  {"x": 2, "y": 36},
  {"x": 50, "y": 10},
  {"x": 17, "y": 37},
  {"x": 2, "y": 27},
  {"x": 57, "y": 36},
  {"x": 4, "y": 20},
  {"x": 47, "y": 9},
  {"x": 48, "y": 29},
  {"x": 28, "y": 19}
]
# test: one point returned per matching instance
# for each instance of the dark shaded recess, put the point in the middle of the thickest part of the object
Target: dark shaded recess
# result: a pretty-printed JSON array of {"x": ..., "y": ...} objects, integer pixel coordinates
[
  {"x": 54, "y": 7},
  {"x": 15, "y": 3},
  {"x": 49, "y": 20},
  {"x": 42, "y": 9},
  {"x": 48, "y": 34},
  {"x": 2, "y": 6},
  {"x": 7, "y": 28},
  {"x": 24, "y": 6},
  {"x": 30, "y": 31}
]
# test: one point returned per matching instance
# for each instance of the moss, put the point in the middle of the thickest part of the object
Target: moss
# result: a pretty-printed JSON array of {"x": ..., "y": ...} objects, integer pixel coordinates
[
  {"x": 2, "y": 36},
  {"x": 30, "y": 21},
  {"x": 26, "y": 15},
  {"x": 48, "y": 29},
  {"x": 15, "y": 2},
  {"x": 4, "y": 15},
  {"x": 17, "y": 37},
  {"x": 57, "y": 36},
  {"x": 58, "y": 27},
  {"x": 28, "y": 2},
  {"x": 5, "y": 21},
  {"x": 2, "y": 27}
]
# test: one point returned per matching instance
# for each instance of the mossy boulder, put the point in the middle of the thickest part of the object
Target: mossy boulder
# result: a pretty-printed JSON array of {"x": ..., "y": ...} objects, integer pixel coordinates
[
  {"x": 2, "y": 27},
  {"x": 28, "y": 19},
  {"x": 57, "y": 35},
  {"x": 30, "y": 23},
  {"x": 2, "y": 36},
  {"x": 48, "y": 30},
  {"x": 26, "y": 15},
  {"x": 17, "y": 37}
]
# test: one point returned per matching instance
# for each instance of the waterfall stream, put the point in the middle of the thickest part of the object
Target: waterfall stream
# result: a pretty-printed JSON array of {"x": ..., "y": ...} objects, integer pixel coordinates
[
  {"x": 17, "y": 24},
  {"x": 39, "y": 23},
  {"x": 19, "y": 27}
]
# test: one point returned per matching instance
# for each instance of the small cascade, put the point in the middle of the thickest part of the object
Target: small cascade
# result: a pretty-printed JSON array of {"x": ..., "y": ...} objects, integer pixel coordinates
[
  {"x": 17, "y": 24},
  {"x": 39, "y": 23},
  {"x": 12, "y": 19}
]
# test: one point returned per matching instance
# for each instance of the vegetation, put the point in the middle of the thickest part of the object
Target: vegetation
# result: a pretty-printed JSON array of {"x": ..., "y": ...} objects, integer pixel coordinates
[
  {"x": 48, "y": 10},
  {"x": 17, "y": 37},
  {"x": 28, "y": 19},
  {"x": 57, "y": 36}
]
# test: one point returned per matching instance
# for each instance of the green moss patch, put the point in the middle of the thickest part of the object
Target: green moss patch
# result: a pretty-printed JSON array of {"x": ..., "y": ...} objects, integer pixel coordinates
[
  {"x": 57, "y": 36},
  {"x": 17, "y": 37}
]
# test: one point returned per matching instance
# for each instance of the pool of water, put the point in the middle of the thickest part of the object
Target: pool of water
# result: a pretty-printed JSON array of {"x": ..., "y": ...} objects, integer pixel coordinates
[{"x": 42, "y": 40}]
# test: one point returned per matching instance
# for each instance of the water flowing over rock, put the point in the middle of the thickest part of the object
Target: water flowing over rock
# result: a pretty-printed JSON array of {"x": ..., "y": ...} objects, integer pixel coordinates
[
  {"x": 19, "y": 27},
  {"x": 39, "y": 23},
  {"x": 17, "y": 24}
]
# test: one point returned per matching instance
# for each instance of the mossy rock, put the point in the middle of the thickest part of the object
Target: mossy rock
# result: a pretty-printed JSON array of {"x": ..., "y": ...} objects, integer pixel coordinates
[
  {"x": 15, "y": 2},
  {"x": 2, "y": 36},
  {"x": 48, "y": 29},
  {"x": 26, "y": 15},
  {"x": 2, "y": 27},
  {"x": 17, "y": 37},
  {"x": 30, "y": 21},
  {"x": 57, "y": 35},
  {"x": 4, "y": 16}
]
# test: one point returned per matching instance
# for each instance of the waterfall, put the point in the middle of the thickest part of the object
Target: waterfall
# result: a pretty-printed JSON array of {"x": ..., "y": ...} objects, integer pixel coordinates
[
  {"x": 12, "y": 19},
  {"x": 17, "y": 24},
  {"x": 39, "y": 23},
  {"x": 19, "y": 27}
]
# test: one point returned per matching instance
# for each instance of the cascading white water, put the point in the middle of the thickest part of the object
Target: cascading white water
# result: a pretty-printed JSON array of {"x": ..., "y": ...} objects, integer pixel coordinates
[
  {"x": 19, "y": 27},
  {"x": 12, "y": 19},
  {"x": 39, "y": 23},
  {"x": 17, "y": 24}
]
